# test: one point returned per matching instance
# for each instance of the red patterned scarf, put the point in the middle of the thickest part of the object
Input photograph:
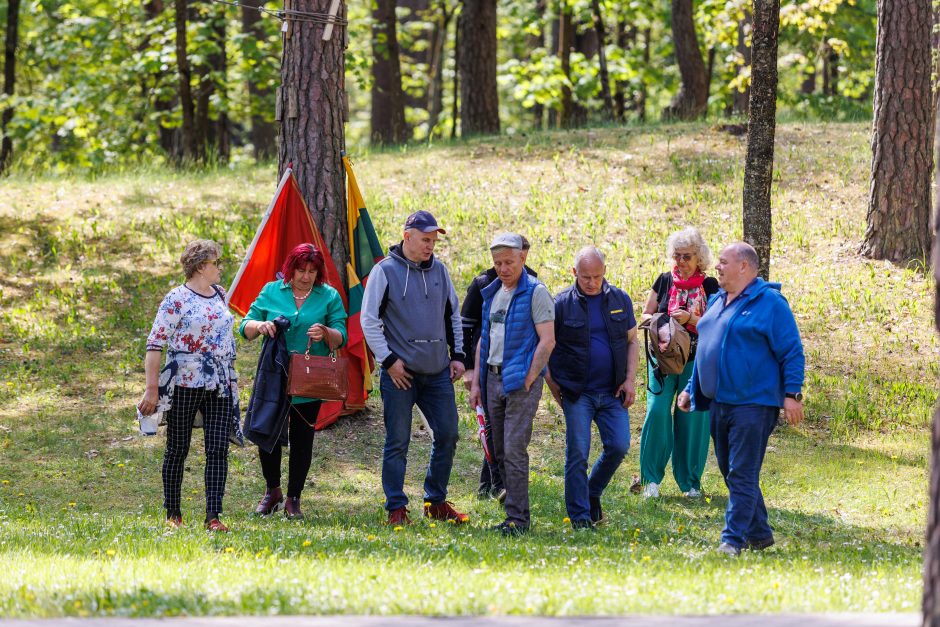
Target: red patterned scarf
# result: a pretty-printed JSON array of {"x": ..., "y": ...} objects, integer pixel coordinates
[{"x": 687, "y": 294}]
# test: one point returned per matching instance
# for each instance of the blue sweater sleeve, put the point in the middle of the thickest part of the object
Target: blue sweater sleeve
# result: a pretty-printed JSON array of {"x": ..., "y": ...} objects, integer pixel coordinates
[{"x": 787, "y": 347}]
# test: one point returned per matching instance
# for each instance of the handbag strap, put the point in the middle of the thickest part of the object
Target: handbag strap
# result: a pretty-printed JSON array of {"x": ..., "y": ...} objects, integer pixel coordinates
[{"x": 332, "y": 354}]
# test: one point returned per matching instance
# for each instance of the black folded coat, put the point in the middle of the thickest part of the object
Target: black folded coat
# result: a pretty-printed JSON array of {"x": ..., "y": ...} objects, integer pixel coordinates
[{"x": 266, "y": 419}]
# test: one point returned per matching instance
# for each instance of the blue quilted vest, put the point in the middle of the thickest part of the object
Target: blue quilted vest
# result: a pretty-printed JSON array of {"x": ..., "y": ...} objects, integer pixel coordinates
[{"x": 520, "y": 340}]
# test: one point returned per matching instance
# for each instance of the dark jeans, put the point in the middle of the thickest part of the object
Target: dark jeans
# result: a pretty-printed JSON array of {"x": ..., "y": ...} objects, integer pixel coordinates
[
  {"x": 511, "y": 417},
  {"x": 300, "y": 432},
  {"x": 740, "y": 433},
  {"x": 613, "y": 424},
  {"x": 434, "y": 395}
]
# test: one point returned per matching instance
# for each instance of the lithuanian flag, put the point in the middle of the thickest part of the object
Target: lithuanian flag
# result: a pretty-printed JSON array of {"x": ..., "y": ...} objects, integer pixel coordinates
[{"x": 364, "y": 252}]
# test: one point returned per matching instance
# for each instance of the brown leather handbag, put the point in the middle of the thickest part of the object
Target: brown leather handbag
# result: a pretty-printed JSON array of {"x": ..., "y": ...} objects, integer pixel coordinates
[{"x": 315, "y": 376}]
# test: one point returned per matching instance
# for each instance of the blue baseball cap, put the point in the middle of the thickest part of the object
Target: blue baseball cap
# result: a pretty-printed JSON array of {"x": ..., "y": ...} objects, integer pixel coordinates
[{"x": 423, "y": 221}]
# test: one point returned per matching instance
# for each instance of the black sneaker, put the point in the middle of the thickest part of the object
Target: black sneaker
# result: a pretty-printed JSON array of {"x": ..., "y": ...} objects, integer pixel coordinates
[
  {"x": 582, "y": 524},
  {"x": 511, "y": 529},
  {"x": 597, "y": 512},
  {"x": 485, "y": 492},
  {"x": 499, "y": 494},
  {"x": 759, "y": 545}
]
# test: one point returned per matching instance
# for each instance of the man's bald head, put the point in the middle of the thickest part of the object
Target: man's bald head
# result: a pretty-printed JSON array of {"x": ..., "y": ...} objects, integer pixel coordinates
[{"x": 737, "y": 266}]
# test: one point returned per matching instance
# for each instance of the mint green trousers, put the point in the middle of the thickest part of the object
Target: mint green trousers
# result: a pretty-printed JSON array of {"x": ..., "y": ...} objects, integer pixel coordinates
[{"x": 670, "y": 432}]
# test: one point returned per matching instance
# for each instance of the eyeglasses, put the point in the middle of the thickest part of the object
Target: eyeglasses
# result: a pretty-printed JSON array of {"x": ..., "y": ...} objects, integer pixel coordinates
[
  {"x": 683, "y": 256},
  {"x": 216, "y": 263}
]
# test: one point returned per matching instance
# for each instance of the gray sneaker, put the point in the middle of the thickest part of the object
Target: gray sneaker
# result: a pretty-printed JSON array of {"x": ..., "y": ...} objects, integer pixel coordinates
[{"x": 729, "y": 549}]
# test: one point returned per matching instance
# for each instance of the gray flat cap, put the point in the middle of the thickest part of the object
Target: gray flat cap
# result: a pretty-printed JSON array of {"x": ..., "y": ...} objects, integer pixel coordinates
[{"x": 507, "y": 240}]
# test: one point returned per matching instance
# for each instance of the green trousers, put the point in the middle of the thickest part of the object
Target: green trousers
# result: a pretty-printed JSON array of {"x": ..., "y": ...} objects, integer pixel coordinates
[{"x": 670, "y": 432}]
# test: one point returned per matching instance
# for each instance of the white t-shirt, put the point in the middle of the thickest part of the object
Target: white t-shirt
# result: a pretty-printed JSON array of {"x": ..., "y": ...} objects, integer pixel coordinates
[{"x": 543, "y": 310}]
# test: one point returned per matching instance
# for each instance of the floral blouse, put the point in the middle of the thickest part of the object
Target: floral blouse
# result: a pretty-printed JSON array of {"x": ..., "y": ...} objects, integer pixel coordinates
[{"x": 196, "y": 330}]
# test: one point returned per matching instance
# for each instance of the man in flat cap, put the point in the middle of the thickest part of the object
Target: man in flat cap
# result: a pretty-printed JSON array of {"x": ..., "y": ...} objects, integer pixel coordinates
[
  {"x": 411, "y": 321},
  {"x": 516, "y": 340}
]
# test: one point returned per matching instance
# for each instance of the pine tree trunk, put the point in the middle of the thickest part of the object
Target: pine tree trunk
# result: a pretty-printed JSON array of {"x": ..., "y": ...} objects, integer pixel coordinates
[
  {"x": 455, "y": 103},
  {"x": 585, "y": 43},
  {"x": 479, "y": 114},
  {"x": 902, "y": 135},
  {"x": 221, "y": 133},
  {"x": 931, "y": 601},
  {"x": 263, "y": 129},
  {"x": 741, "y": 98},
  {"x": 388, "y": 99},
  {"x": 188, "y": 143},
  {"x": 602, "y": 59},
  {"x": 759, "y": 162},
  {"x": 534, "y": 41},
  {"x": 565, "y": 37},
  {"x": 310, "y": 107},
  {"x": 9, "y": 80},
  {"x": 435, "y": 102},
  {"x": 692, "y": 98}
]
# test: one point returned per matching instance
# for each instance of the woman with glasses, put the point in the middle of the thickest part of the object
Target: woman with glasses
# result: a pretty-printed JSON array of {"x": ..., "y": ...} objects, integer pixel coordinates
[
  {"x": 194, "y": 324},
  {"x": 683, "y": 294}
]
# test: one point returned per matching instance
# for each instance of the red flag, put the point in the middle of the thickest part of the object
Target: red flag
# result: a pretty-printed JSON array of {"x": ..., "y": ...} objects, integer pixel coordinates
[{"x": 286, "y": 224}]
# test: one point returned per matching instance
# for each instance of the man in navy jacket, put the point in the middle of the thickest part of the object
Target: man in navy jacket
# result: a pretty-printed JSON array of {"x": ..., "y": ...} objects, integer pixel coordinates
[
  {"x": 592, "y": 375},
  {"x": 749, "y": 364}
]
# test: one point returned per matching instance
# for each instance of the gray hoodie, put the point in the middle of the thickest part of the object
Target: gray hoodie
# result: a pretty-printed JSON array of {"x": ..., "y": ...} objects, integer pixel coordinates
[{"x": 410, "y": 312}]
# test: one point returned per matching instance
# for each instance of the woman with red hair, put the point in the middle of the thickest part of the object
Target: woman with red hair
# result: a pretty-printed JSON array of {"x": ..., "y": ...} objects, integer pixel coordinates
[{"x": 316, "y": 314}]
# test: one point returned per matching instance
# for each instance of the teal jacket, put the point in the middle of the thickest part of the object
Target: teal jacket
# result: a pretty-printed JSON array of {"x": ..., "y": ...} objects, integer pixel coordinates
[{"x": 324, "y": 306}]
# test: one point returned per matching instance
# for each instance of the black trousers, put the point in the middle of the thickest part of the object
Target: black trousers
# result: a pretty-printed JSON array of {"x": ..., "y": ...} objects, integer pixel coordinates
[
  {"x": 300, "y": 436},
  {"x": 217, "y": 419}
]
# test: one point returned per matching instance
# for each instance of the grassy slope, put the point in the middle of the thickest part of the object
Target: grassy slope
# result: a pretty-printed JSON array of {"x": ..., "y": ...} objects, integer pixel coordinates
[{"x": 84, "y": 264}]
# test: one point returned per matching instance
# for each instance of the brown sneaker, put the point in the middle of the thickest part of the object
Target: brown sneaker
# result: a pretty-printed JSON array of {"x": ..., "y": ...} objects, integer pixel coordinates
[
  {"x": 216, "y": 525},
  {"x": 444, "y": 511},
  {"x": 270, "y": 502},
  {"x": 292, "y": 508},
  {"x": 398, "y": 517}
]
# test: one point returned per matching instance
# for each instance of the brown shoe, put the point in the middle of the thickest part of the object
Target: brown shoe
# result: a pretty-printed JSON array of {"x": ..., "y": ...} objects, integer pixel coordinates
[
  {"x": 636, "y": 486},
  {"x": 216, "y": 525},
  {"x": 398, "y": 517},
  {"x": 444, "y": 511},
  {"x": 270, "y": 502},
  {"x": 174, "y": 521},
  {"x": 292, "y": 508}
]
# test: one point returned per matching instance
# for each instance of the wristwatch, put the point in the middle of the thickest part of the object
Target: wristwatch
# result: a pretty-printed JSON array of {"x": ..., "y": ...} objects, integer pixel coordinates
[{"x": 798, "y": 397}]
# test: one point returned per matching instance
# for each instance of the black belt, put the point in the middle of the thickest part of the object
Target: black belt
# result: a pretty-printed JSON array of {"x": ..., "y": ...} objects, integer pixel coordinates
[{"x": 495, "y": 369}]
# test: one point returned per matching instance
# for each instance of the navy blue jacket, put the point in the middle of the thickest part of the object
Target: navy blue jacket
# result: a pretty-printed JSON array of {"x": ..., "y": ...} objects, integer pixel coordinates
[
  {"x": 266, "y": 418},
  {"x": 569, "y": 361}
]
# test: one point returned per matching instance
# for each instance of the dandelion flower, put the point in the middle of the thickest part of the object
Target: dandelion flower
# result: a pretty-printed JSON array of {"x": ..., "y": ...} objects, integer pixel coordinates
[{"x": 307, "y": 542}]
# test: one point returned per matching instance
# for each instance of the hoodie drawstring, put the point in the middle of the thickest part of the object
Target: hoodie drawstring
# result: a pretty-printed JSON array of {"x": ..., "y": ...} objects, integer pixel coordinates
[
  {"x": 407, "y": 274},
  {"x": 425, "y": 279}
]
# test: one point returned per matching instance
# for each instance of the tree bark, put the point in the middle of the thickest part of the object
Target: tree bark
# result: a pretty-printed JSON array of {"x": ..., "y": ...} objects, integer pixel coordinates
[
  {"x": 311, "y": 103},
  {"x": 436, "y": 70},
  {"x": 741, "y": 98},
  {"x": 565, "y": 37},
  {"x": 9, "y": 80},
  {"x": 479, "y": 99},
  {"x": 692, "y": 98},
  {"x": 759, "y": 162},
  {"x": 388, "y": 100},
  {"x": 455, "y": 104},
  {"x": 902, "y": 135},
  {"x": 220, "y": 131},
  {"x": 188, "y": 140},
  {"x": 931, "y": 601},
  {"x": 263, "y": 129}
]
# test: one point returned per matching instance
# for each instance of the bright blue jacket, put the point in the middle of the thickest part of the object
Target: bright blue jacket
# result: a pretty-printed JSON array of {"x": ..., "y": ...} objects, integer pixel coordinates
[
  {"x": 761, "y": 355},
  {"x": 521, "y": 337}
]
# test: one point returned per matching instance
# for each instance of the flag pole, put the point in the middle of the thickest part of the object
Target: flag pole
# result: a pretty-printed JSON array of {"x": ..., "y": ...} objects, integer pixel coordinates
[{"x": 254, "y": 242}]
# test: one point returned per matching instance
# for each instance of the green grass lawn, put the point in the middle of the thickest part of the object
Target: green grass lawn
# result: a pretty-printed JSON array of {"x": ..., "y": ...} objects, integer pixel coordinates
[{"x": 83, "y": 265}]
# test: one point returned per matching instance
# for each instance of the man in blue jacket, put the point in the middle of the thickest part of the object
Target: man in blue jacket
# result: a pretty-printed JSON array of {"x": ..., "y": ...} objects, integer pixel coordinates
[
  {"x": 516, "y": 339},
  {"x": 749, "y": 364},
  {"x": 591, "y": 375}
]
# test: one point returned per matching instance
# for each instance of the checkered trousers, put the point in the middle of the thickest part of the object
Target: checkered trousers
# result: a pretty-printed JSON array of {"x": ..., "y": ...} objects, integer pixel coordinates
[{"x": 217, "y": 413}]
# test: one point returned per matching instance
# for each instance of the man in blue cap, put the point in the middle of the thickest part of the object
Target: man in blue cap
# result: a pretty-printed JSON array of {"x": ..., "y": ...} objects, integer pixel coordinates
[{"x": 411, "y": 322}]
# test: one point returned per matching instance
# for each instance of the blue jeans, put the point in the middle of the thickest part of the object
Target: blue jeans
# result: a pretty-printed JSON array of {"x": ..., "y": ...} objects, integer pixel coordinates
[
  {"x": 434, "y": 395},
  {"x": 740, "y": 433},
  {"x": 613, "y": 424}
]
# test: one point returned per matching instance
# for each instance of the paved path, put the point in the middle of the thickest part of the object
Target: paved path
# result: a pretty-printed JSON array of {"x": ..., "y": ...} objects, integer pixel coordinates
[{"x": 732, "y": 620}]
